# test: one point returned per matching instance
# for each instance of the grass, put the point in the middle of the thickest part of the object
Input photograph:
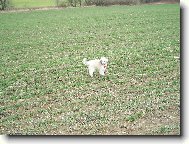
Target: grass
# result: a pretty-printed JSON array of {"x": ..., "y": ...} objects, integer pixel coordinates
[
  {"x": 32, "y": 3},
  {"x": 45, "y": 88}
]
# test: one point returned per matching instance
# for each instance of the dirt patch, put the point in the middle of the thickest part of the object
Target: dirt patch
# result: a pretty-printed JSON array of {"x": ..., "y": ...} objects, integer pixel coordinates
[
  {"x": 165, "y": 2},
  {"x": 30, "y": 9}
]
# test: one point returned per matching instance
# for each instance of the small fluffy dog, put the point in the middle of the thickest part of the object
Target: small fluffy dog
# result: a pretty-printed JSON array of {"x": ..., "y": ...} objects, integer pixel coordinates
[{"x": 97, "y": 64}]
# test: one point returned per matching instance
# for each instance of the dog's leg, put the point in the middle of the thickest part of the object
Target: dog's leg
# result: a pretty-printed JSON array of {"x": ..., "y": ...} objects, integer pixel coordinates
[
  {"x": 101, "y": 71},
  {"x": 91, "y": 71}
]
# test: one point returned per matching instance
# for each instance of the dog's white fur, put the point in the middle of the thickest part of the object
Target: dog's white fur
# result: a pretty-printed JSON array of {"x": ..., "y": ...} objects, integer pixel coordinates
[{"x": 96, "y": 64}]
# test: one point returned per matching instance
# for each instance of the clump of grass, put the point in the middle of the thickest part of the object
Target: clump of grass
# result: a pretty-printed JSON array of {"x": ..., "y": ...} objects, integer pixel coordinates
[{"x": 133, "y": 117}]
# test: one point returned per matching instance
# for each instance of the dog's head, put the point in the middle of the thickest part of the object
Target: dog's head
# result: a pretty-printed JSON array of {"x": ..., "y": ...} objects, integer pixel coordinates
[{"x": 103, "y": 61}]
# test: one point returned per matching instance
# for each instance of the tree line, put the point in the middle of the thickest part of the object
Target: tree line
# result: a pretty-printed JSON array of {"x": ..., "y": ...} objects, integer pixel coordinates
[{"x": 75, "y": 3}]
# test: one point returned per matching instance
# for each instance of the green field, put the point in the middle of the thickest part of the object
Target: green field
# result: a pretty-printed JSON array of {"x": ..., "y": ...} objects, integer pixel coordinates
[
  {"x": 32, "y": 3},
  {"x": 45, "y": 88}
]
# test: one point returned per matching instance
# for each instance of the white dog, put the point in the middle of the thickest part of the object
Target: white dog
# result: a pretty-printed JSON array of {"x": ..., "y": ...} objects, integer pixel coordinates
[{"x": 99, "y": 64}]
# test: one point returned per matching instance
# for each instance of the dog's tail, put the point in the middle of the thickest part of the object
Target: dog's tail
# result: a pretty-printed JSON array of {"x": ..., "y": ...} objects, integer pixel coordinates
[{"x": 85, "y": 61}]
